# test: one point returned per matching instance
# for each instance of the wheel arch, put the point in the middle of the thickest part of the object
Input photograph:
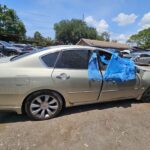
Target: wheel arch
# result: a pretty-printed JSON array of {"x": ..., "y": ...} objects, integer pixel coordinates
[
  {"x": 26, "y": 98},
  {"x": 145, "y": 91}
]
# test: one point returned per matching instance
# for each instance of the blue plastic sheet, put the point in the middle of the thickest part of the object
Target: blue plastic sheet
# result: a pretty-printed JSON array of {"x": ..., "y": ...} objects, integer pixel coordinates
[
  {"x": 118, "y": 69},
  {"x": 93, "y": 69},
  {"x": 103, "y": 59}
]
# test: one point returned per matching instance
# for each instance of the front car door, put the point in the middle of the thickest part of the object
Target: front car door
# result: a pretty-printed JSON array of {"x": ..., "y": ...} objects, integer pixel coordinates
[
  {"x": 70, "y": 76},
  {"x": 113, "y": 90}
]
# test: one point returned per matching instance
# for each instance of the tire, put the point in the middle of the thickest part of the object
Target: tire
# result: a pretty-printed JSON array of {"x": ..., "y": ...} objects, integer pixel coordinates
[
  {"x": 146, "y": 96},
  {"x": 43, "y": 105}
]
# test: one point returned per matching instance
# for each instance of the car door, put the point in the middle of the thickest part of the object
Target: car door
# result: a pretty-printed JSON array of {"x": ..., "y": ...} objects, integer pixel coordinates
[
  {"x": 70, "y": 76},
  {"x": 113, "y": 90}
]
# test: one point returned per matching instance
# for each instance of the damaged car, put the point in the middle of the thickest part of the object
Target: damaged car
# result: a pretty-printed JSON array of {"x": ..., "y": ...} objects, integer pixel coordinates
[{"x": 40, "y": 84}]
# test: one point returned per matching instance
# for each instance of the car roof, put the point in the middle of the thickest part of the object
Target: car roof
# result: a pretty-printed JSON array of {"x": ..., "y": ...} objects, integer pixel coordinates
[
  {"x": 52, "y": 49},
  {"x": 70, "y": 47}
]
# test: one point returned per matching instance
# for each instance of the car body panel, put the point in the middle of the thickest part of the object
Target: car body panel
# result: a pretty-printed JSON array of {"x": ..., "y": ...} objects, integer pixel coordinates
[
  {"x": 77, "y": 87},
  {"x": 112, "y": 90}
]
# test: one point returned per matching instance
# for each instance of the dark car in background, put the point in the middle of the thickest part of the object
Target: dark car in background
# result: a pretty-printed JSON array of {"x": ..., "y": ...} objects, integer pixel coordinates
[
  {"x": 25, "y": 48},
  {"x": 142, "y": 59},
  {"x": 7, "y": 49}
]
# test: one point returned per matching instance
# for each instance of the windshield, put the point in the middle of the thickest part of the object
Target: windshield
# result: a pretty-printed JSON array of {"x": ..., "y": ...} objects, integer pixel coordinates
[{"x": 5, "y": 44}]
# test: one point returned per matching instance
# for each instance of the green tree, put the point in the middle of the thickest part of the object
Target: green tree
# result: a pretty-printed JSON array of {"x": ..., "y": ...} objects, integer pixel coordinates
[
  {"x": 70, "y": 32},
  {"x": 105, "y": 36},
  {"x": 114, "y": 41},
  {"x": 39, "y": 40},
  {"x": 10, "y": 22},
  {"x": 142, "y": 39},
  {"x": 38, "y": 36}
]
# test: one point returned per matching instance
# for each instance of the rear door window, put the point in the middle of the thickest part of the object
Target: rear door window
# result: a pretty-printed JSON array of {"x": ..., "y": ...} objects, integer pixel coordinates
[{"x": 50, "y": 59}]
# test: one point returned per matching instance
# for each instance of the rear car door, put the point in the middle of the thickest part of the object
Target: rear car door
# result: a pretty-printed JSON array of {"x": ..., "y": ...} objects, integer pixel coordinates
[
  {"x": 113, "y": 90},
  {"x": 70, "y": 76}
]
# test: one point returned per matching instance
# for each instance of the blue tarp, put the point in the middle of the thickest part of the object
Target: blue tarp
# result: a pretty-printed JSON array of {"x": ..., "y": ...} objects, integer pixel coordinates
[
  {"x": 118, "y": 69},
  {"x": 103, "y": 59},
  {"x": 93, "y": 69}
]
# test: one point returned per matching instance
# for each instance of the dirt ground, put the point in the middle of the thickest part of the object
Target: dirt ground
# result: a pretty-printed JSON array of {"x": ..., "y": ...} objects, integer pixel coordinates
[{"x": 110, "y": 126}]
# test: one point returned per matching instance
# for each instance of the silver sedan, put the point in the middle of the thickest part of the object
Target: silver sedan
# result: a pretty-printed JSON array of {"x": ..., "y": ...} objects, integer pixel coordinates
[{"x": 40, "y": 84}]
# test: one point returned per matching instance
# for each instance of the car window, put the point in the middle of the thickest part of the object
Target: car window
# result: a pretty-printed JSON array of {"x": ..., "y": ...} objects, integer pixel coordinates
[
  {"x": 104, "y": 59},
  {"x": 50, "y": 59},
  {"x": 73, "y": 59}
]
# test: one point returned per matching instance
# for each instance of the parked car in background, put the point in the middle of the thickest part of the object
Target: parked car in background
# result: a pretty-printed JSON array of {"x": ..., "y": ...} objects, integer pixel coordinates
[
  {"x": 134, "y": 53},
  {"x": 7, "y": 49},
  {"x": 39, "y": 47},
  {"x": 142, "y": 59},
  {"x": 126, "y": 53},
  {"x": 42, "y": 83},
  {"x": 25, "y": 48}
]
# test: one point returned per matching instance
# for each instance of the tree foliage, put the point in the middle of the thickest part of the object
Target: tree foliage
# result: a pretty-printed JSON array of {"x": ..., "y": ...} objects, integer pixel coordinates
[
  {"x": 39, "y": 40},
  {"x": 71, "y": 31},
  {"x": 10, "y": 22},
  {"x": 142, "y": 38},
  {"x": 105, "y": 36}
]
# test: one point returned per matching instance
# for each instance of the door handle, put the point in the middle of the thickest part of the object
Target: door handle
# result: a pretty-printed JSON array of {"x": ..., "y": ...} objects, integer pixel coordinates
[{"x": 63, "y": 76}]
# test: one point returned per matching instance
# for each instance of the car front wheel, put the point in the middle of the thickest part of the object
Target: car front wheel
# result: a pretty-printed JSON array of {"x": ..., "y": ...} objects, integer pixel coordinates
[
  {"x": 43, "y": 105},
  {"x": 146, "y": 96}
]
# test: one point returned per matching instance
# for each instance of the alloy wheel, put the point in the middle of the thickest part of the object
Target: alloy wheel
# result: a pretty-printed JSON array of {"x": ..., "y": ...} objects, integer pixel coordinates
[{"x": 44, "y": 106}]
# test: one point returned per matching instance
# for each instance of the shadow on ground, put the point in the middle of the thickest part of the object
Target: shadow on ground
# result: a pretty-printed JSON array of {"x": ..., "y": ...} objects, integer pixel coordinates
[{"x": 11, "y": 117}]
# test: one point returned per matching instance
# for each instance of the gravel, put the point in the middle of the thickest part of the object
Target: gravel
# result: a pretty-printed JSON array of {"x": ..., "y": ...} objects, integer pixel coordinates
[{"x": 121, "y": 125}]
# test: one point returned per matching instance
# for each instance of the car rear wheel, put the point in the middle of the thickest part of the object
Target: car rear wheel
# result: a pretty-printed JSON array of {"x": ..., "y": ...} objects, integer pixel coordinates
[
  {"x": 43, "y": 105},
  {"x": 146, "y": 96}
]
